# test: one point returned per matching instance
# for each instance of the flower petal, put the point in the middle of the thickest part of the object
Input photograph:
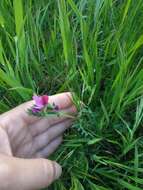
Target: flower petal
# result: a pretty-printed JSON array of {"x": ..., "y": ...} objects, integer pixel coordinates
[
  {"x": 38, "y": 100},
  {"x": 45, "y": 99},
  {"x": 35, "y": 110}
]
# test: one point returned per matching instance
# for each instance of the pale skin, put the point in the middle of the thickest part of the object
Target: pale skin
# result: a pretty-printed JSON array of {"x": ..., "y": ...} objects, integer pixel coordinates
[{"x": 25, "y": 142}]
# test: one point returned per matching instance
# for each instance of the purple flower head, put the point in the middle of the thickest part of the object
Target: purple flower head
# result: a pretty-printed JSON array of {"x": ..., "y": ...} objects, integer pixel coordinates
[{"x": 40, "y": 103}]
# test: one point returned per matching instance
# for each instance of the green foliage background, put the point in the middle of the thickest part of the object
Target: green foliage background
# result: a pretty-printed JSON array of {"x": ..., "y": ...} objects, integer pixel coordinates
[{"x": 93, "y": 48}]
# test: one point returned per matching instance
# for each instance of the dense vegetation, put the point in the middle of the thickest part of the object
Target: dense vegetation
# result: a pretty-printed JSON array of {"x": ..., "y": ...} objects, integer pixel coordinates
[{"x": 94, "y": 49}]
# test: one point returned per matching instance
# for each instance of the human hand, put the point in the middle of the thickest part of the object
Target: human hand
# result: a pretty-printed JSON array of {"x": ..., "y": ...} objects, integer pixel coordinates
[{"x": 25, "y": 140}]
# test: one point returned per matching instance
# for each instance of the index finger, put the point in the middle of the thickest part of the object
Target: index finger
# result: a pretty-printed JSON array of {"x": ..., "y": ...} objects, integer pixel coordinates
[{"x": 62, "y": 100}]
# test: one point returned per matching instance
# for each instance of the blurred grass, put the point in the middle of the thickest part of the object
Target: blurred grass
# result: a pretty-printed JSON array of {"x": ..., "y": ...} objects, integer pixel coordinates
[{"x": 93, "y": 48}]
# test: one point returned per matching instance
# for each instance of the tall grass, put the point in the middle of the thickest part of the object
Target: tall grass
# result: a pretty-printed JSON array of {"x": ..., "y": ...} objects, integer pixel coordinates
[{"x": 93, "y": 48}]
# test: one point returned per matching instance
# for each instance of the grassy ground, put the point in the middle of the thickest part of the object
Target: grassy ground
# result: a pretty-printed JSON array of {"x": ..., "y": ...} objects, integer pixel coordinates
[{"x": 93, "y": 48}]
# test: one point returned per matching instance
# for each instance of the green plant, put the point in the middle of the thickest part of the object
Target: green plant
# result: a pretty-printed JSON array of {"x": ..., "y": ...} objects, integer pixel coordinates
[{"x": 93, "y": 48}]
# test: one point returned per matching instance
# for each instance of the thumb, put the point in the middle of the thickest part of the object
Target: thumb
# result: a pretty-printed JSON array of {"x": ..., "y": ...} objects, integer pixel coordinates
[{"x": 28, "y": 174}]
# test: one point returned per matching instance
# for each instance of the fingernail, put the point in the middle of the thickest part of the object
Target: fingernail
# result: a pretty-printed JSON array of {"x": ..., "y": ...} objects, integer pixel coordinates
[{"x": 57, "y": 170}]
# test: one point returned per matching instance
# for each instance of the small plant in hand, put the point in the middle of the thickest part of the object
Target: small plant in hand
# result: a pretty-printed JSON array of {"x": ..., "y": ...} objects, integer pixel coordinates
[{"x": 42, "y": 107}]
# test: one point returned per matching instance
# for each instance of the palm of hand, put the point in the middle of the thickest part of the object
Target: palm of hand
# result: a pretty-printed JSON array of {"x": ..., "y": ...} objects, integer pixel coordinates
[{"x": 27, "y": 136}]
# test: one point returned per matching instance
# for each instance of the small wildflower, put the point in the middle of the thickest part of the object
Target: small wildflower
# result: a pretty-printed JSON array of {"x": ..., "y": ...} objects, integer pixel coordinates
[
  {"x": 42, "y": 107},
  {"x": 40, "y": 103}
]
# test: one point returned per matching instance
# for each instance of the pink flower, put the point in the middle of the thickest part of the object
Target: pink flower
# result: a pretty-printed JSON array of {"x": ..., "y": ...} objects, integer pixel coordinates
[{"x": 40, "y": 103}]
